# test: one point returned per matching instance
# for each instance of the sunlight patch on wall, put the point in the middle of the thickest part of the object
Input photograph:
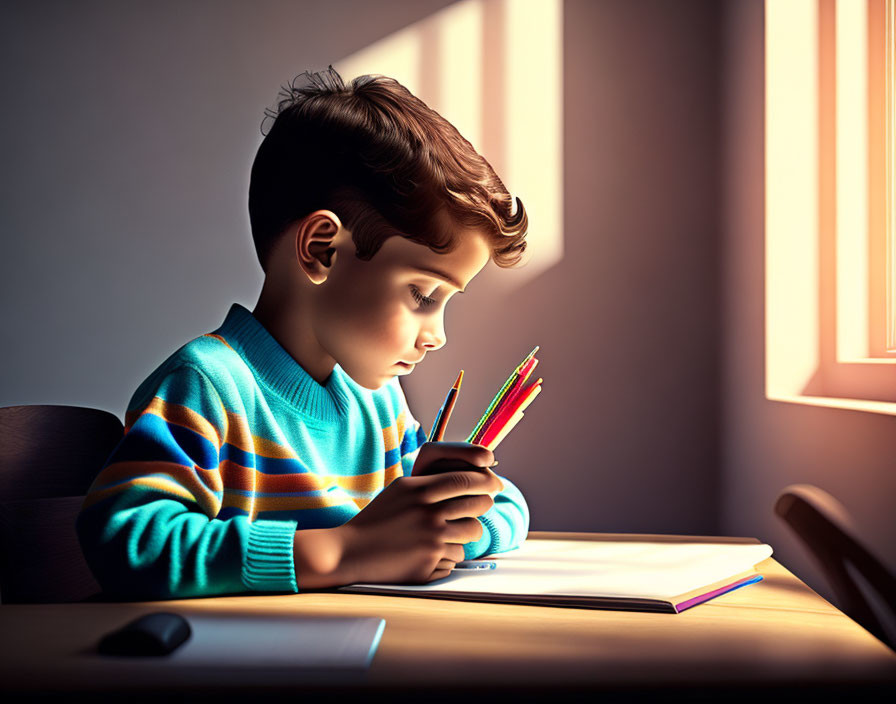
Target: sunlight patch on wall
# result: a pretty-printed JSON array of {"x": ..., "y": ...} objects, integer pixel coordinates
[
  {"x": 791, "y": 176},
  {"x": 493, "y": 68},
  {"x": 852, "y": 180}
]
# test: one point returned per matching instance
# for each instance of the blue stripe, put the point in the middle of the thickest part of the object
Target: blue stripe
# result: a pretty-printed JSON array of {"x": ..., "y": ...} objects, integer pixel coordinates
[
  {"x": 412, "y": 440},
  {"x": 313, "y": 517},
  {"x": 247, "y": 492},
  {"x": 392, "y": 457},
  {"x": 152, "y": 439}
]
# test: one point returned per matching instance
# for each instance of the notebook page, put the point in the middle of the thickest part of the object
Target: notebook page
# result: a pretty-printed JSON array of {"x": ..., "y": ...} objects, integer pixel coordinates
[{"x": 598, "y": 568}]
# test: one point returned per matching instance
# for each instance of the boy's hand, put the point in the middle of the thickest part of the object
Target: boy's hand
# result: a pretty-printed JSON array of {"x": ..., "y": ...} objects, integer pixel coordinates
[
  {"x": 415, "y": 528},
  {"x": 439, "y": 457}
]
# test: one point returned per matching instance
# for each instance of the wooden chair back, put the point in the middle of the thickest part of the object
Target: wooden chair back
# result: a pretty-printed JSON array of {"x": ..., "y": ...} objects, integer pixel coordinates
[
  {"x": 825, "y": 527},
  {"x": 49, "y": 456}
]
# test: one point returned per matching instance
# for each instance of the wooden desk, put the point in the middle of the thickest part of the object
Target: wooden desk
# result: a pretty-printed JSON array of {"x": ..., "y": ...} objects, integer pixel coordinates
[{"x": 774, "y": 634}]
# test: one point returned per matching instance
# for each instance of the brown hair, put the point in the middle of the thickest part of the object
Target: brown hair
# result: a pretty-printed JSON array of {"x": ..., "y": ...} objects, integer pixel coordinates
[{"x": 383, "y": 161}]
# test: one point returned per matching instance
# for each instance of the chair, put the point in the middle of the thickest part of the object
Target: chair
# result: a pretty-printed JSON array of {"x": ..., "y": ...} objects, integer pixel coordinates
[
  {"x": 49, "y": 456},
  {"x": 825, "y": 527}
]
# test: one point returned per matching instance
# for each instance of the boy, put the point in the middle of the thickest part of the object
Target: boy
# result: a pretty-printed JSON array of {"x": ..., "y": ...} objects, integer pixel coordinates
[{"x": 278, "y": 453}]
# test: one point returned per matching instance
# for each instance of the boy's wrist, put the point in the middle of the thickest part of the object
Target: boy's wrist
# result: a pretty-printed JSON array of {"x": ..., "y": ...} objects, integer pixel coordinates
[{"x": 318, "y": 557}]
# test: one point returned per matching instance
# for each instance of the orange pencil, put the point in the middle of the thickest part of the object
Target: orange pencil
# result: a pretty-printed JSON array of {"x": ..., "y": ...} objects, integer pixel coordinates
[{"x": 441, "y": 421}]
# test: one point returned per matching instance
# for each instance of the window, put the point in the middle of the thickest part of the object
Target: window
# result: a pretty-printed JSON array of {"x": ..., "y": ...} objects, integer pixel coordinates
[{"x": 830, "y": 273}]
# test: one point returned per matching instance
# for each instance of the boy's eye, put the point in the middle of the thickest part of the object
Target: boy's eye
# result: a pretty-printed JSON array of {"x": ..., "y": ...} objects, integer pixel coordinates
[{"x": 422, "y": 301}]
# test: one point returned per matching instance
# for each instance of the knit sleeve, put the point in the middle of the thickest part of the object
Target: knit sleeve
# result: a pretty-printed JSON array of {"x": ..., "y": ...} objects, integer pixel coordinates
[
  {"x": 504, "y": 526},
  {"x": 149, "y": 527}
]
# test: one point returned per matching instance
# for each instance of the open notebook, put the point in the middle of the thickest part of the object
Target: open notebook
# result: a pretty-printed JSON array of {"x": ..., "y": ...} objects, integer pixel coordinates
[{"x": 628, "y": 575}]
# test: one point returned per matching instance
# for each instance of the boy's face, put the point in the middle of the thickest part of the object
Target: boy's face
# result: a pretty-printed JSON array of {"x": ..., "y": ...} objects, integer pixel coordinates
[{"x": 378, "y": 318}]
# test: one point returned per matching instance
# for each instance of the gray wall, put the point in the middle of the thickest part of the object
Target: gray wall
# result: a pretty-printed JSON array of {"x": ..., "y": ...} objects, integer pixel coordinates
[
  {"x": 127, "y": 135},
  {"x": 128, "y": 132},
  {"x": 127, "y": 141}
]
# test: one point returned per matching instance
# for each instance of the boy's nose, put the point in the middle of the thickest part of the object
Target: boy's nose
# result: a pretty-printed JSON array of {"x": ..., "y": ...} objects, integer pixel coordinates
[{"x": 431, "y": 339}]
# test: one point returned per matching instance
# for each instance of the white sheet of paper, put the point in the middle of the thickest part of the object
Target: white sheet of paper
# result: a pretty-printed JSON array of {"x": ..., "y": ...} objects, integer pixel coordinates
[{"x": 600, "y": 568}]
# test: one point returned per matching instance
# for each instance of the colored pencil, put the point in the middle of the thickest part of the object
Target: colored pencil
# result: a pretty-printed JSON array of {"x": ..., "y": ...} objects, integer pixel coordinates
[
  {"x": 499, "y": 397},
  {"x": 516, "y": 407},
  {"x": 515, "y": 388},
  {"x": 444, "y": 414},
  {"x": 493, "y": 443},
  {"x": 522, "y": 400}
]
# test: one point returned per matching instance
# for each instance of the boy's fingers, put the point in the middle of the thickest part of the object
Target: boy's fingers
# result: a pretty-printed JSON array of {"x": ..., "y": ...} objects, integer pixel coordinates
[
  {"x": 439, "y": 574},
  {"x": 463, "y": 530},
  {"x": 454, "y": 552},
  {"x": 464, "y": 507},
  {"x": 438, "y": 487},
  {"x": 445, "y": 564},
  {"x": 476, "y": 455}
]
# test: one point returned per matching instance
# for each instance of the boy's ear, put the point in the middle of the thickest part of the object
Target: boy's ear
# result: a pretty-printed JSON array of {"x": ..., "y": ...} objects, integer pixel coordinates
[{"x": 314, "y": 244}]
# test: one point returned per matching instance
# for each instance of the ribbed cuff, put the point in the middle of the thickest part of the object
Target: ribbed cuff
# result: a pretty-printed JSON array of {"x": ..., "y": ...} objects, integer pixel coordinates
[
  {"x": 487, "y": 543},
  {"x": 269, "y": 565}
]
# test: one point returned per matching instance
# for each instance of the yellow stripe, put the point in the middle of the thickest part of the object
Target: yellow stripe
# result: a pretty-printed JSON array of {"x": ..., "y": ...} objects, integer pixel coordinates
[
  {"x": 159, "y": 483},
  {"x": 198, "y": 482},
  {"x": 254, "y": 505},
  {"x": 393, "y": 434},
  {"x": 373, "y": 481}
]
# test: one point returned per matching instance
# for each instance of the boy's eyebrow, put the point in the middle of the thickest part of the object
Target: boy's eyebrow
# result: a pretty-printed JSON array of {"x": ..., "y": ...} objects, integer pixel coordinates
[{"x": 440, "y": 275}]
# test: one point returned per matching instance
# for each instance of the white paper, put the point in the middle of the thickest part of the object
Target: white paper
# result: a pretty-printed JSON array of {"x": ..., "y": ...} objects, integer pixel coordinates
[{"x": 601, "y": 569}]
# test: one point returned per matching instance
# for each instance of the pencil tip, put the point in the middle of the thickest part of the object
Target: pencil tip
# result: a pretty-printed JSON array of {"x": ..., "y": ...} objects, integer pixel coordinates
[{"x": 460, "y": 378}]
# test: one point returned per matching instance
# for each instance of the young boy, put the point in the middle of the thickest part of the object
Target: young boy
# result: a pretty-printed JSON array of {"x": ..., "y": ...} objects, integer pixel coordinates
[{"x": 277, "y": 453}]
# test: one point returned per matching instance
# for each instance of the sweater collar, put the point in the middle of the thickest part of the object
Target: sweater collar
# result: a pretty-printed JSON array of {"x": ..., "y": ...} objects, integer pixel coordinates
[{"x": 272, "y": 364}]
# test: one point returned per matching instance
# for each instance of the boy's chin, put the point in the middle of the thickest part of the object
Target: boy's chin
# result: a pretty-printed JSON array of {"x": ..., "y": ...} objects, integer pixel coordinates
[{"x": 373, "y": 382}]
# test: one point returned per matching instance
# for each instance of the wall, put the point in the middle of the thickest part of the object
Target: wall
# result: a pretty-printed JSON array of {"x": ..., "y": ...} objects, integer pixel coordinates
[
  {"x": 768, "y": 445},
  {"x": 126, "y": 163},
  {"x": 624, "y": 436},
  {"x": 127, "y": 139}
]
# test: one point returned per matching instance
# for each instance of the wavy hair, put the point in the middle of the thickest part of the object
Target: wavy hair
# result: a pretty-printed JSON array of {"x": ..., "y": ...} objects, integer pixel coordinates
[{"x": 383, "y": 162}]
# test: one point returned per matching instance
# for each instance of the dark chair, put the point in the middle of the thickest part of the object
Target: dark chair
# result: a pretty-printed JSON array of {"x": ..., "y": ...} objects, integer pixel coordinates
[
  {"x": 825, "y": 527},
  {"x": 49, "y": 456}
]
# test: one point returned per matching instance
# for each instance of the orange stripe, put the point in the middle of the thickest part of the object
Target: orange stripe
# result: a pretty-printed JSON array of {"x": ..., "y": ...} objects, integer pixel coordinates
[
  {"x": 236, "y": 476},
  {"x": 197, "y": 482},
  {"x": 177, "y": 414},
  {"x": 239, "y": 435},
  {"x": 218, "y": 337},
  {"x": 158, "y": 483},
  {"x": 237, "y": 432},
  {"x": 253, "y": 505},
  {"x": 393, "y": 434},
  {"x": 373, "y": 481}
]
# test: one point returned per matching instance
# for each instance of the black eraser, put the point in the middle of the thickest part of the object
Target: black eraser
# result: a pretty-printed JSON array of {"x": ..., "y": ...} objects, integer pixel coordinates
[{"x": 158, "y": 633}]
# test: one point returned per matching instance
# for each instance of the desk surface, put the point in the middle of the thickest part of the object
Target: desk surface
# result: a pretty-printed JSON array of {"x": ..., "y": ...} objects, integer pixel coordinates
[{"x": 774, "y": 633}]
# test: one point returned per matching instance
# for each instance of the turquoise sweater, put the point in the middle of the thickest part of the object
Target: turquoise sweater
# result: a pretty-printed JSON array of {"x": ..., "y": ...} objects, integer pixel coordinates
[{"x": 229, "y": 448}]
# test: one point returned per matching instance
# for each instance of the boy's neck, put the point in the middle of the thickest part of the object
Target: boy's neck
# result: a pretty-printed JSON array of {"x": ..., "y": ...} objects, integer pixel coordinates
[{"x": 288, "y": 323}]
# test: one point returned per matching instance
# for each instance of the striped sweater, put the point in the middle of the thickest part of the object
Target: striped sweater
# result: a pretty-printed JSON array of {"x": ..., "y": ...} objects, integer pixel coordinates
[{"x": 229, "y": 448}]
